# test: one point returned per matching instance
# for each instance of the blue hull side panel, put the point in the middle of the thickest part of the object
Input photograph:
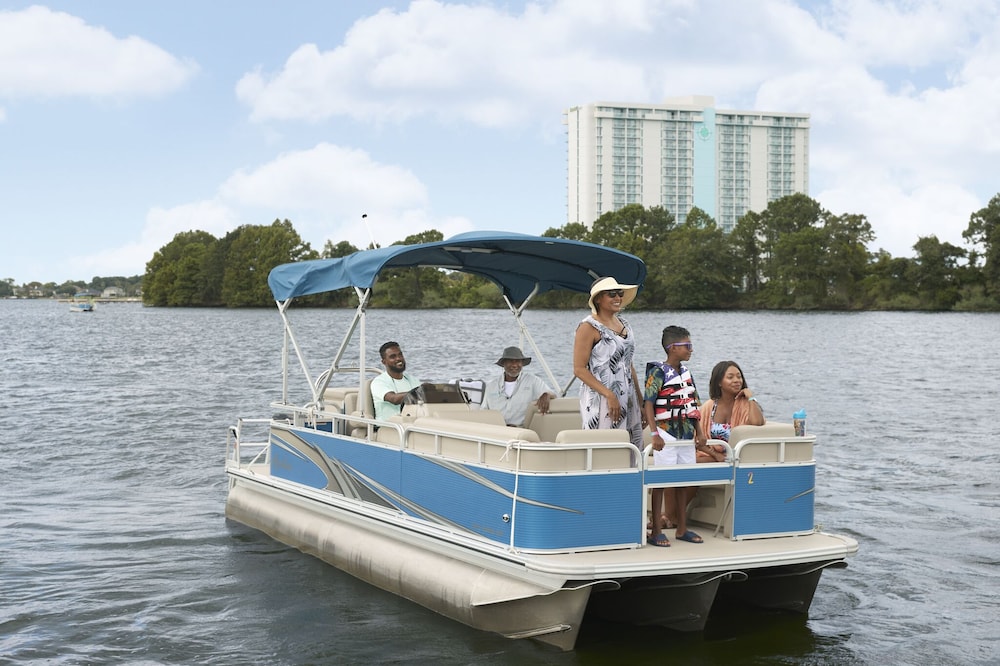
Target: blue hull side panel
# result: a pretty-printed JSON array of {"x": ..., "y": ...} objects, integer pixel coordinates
[
  {"x": 553, "y": 511},
  {"x": 774, "y": 500}
]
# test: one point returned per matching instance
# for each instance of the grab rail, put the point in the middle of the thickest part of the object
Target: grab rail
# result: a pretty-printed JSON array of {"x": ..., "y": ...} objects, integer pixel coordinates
[
  {"x": 482, "y": 441},
  {"x": 235, "y": 444}
]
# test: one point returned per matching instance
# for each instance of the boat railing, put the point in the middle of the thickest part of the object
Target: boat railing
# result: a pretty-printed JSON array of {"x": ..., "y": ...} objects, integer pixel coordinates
[
  {"x": 482, "y": 442},
  {"x": 775, "y": 449},
  {"x": 241, "y": 453},
  {"x": 515, "y": 448}
]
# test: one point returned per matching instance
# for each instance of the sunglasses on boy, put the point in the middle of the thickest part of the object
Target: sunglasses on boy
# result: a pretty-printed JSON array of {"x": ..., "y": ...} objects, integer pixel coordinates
[{"x": 686, "y": 345}]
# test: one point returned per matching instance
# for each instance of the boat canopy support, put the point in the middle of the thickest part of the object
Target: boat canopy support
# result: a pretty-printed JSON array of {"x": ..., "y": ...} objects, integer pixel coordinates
[{"x": 522, "y": 266}]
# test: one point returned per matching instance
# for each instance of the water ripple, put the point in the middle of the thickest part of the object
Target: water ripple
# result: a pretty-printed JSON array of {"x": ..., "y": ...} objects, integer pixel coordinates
[{"x": 116, "y": 549}]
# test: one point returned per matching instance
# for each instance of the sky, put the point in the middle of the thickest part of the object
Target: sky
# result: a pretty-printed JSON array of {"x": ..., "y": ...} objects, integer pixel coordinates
[{"x": 123, "y": 123}]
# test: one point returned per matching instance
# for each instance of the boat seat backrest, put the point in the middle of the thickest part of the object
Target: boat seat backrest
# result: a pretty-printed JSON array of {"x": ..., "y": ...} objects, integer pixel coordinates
[
  {"x": 563, "y": 414},
  {"x": 779, "y": 443},
  {"x": 616, "y": 458},
  {"x": 335, "y": 398},
  {"x": 581, "y": 436},
  {"x": 487, "y": 416},
  {"x": 548, "y": 458},
  {"x": 464, "y": 447},
  {"x": 389, "y": 434},
  {"x": 356, "y": 405},
  {"x": 366, "y": 401}
]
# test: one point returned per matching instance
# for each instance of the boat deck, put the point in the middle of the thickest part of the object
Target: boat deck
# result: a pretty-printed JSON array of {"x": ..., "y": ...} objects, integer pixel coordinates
[{"x": 716, "y": 553}]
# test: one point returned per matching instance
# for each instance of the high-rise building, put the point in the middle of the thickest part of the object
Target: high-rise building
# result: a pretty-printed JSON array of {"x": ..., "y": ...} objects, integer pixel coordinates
[{"x": 680, "y": 154}]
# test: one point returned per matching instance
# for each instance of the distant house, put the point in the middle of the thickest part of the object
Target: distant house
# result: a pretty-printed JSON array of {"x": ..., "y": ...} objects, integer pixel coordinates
[{"x": 113, "y": 292}]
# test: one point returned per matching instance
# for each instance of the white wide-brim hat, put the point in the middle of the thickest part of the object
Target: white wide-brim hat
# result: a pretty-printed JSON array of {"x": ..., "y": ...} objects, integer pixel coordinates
[{"x": 606, "y": 283}]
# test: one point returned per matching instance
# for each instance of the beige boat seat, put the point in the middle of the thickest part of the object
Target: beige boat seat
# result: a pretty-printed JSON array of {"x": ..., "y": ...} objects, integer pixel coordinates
[
  {"x": 354, "y": 405},
  {"x": 583, "y": 436},
  {"x": 778, "y": 443},
  {"x": 334, "y": 397},
  {"x": 612, "y": 458},
  {"x": 465, "y": 445},
  {"x": 563, "y": 414},
  {"x": 455, "y": 412}
]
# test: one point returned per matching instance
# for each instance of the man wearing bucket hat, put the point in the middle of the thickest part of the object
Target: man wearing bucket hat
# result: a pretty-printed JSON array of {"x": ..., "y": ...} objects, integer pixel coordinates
[
  {"x": 514, "y": 390},
  {"x": 602, "y": 360}
]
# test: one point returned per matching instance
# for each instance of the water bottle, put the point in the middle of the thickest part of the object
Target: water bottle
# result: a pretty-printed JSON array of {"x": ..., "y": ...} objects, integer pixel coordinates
[{"x": 799, "y": 422}]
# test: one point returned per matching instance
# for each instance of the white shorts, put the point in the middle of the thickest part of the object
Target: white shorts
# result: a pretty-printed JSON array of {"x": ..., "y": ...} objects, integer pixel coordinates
[{"x": 674, "y": 451}]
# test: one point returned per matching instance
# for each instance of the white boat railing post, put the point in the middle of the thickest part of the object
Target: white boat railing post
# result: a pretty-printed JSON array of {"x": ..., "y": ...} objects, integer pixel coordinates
[
  {"x": 525, "y": 335},
  {"x": 361, "y": 322},
  {"x": 513, "y": 507},
  {"x": 284, "y": 356},
  {"x": 290, "y": 337},
  {"x": 335, "y": 365}
]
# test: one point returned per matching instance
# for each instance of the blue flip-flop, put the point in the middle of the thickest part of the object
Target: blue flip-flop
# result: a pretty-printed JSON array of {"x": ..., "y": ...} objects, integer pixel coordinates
[
  {"x": 691, "y": 537},
  {"x": 660, "y": 540}
]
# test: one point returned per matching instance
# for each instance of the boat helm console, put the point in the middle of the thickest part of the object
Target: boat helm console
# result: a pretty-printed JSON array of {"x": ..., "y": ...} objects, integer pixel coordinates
[{"x": 435, "y": 393}]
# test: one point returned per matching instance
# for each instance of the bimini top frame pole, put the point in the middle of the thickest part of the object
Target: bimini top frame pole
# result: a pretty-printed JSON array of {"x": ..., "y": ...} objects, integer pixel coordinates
[
  {"x": 522, "y": 266},
  {"x": 319, "y": 385},
  {"x": 526, "y": 335}
]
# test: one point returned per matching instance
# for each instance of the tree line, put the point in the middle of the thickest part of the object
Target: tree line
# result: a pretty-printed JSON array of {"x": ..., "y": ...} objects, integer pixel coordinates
[
  {"x": 794, "y": 255},
  {"x": 130, "y": 286}
]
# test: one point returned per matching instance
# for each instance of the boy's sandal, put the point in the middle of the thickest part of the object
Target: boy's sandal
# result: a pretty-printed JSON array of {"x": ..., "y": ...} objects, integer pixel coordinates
[{"x": 660, "y": 540}]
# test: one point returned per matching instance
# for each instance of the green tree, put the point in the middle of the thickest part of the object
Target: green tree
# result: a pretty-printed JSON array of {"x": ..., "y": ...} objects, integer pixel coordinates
[
  {"x": 644, "y": 233},
  {"x": 166, "y": 270},
  {"x": 889, "y": 283},
  {"x": 847, "y": 258},
  {"x": 340, "y": 249},
  {"x": 810, "y": 257},
  {"x": 747, "y": 242},
  {"x": 984, "y": 233},
  {"x": 796, "y": 275},
  {"x": 937, "y": 273},
  {"x": 255, "y": 250},
  {"x": 571, "y": 231},
  {"x": 699, "y": 265},
  {"x": 412, "y": 287},
  {"x": 189, "y": 279}
]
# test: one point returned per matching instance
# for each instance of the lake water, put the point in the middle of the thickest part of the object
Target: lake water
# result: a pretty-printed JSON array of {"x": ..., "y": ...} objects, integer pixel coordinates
[{"x": 115, "y": 548}]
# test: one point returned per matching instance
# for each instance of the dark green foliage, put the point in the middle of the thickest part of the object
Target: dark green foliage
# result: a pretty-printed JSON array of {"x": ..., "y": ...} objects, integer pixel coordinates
[
  {"x": 792, "y": 255},
  {"x": 984, "y": 233},
  {"x": 196, "y": 269}
]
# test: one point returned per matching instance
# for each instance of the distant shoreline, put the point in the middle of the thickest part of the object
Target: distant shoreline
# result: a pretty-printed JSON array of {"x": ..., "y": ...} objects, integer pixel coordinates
[{"x": 102, "y": 301}]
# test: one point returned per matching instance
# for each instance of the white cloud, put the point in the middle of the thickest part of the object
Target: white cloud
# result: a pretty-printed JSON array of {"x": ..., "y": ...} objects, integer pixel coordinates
[
  {"x": 159, "y": 229},
  {"x": 910, "y": 34},
  {"x": 903, "y": 91},
  {"x": 324, "y": 191},
  {"x": 905, "y": 130},
  {"x": 902, "y": 216},
  {"x": 325, "y": 178},
  {"x": 48, "y": 53},
  {"x": 472, "y": 62}
]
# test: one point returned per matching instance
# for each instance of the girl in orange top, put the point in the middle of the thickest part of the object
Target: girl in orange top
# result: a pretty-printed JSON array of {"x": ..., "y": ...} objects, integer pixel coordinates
[{"x": 731, "y": 404}]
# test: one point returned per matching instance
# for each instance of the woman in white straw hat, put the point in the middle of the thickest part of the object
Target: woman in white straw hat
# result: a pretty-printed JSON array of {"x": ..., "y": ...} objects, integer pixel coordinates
[{"x": 602, "y": 359}]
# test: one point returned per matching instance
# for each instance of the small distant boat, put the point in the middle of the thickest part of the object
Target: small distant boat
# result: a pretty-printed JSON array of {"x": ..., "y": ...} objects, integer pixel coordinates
[{"x": 81, "y": 306}]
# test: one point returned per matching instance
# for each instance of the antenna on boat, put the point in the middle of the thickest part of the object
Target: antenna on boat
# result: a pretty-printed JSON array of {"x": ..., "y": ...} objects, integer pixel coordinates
[{"x": 364, "y": 218}]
